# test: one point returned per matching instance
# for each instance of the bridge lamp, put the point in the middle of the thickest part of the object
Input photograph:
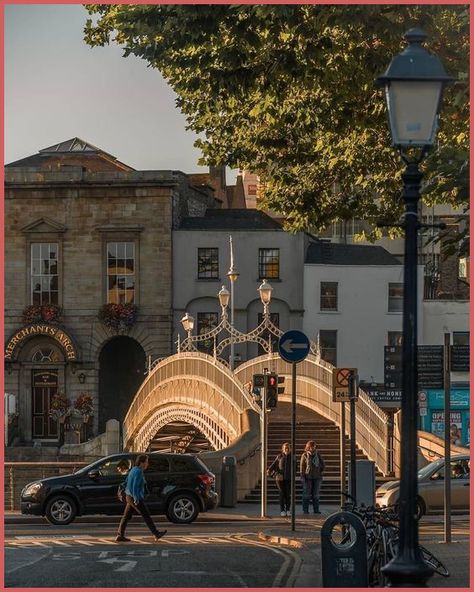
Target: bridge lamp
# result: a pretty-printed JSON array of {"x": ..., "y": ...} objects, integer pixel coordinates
[
  {"x": 188, "y": 323},
  {"x": 224, "y": 296},
  {"x": 265, "y": 295},
  {"x": 414, "y": 83}
]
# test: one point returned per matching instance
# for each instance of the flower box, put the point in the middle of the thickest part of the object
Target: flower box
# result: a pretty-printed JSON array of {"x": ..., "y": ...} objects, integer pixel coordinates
[{"x": 118, "y": 316}]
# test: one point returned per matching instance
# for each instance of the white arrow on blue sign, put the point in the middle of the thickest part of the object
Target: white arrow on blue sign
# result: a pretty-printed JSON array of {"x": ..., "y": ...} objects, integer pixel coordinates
[{"x": 293, "y": 346}]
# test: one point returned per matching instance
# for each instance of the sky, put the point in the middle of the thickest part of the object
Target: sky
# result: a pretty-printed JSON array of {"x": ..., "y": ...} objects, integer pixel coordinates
[{"x": 57, "y": 88}]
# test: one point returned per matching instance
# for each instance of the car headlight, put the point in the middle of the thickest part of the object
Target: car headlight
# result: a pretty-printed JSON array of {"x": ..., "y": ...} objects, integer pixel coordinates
[{"x": 32, "y": 488}]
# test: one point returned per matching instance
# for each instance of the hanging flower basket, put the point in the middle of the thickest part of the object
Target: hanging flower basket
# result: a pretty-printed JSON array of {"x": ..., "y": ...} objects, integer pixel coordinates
[
  {"x": 85, "y": 406},
  {"x": 118, "y": 316},
  {"x": 60, "y": 407},
  {"x": 49, "y": 313}
]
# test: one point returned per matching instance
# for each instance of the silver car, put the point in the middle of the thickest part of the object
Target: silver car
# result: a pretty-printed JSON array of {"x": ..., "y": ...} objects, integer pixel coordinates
[{"x": 431, "y": 487}]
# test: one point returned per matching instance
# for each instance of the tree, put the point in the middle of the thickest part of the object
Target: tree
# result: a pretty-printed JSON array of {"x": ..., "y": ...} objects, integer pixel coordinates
[{"x": 287, "y": 91}]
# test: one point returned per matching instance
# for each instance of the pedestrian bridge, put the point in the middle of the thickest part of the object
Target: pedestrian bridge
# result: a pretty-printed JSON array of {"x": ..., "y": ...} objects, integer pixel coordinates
[{"x": 202, "y": 391}]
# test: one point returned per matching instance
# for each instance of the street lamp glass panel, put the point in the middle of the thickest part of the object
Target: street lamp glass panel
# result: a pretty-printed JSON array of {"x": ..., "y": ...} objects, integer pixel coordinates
[
  {"x": 188, "y": 322},
  {"x": 224, "y": 296},
  {"x": 232, "y": 275},
  {"x": 265, "y": 292},
  {"x": 413, "y": 111}
]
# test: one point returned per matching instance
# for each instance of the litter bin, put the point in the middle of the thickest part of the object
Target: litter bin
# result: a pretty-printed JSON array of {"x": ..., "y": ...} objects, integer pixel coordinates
[
  {"x": 228, "y": 482},
  {"x": 365, "y": 482},
  {"x": 344, "y": 552}
]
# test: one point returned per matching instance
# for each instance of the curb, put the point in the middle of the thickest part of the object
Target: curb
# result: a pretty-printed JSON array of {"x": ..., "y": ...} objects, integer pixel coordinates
[{"x": 280, "y": 540}]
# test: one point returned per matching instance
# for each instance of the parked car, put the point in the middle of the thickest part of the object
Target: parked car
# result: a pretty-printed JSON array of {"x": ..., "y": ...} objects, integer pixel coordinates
[
  {"x": 179, "y": 486},
  {"x": 431, "y": 487}
]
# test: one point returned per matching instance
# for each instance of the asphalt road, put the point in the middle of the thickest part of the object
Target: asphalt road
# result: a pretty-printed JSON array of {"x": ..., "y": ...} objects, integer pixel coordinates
[{"x": 86, "y": 555}]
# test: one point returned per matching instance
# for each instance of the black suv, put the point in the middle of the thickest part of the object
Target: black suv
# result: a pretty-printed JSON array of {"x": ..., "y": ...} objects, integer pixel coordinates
[{"x": 179, "y": 485}]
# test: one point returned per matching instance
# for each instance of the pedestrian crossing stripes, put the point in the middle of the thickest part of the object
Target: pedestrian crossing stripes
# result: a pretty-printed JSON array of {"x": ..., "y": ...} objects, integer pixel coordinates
[{"x": 89, "y": 541}]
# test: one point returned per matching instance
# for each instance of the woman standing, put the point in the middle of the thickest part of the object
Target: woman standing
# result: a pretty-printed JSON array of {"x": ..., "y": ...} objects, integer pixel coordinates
[
  {"x": 311, "y": 468},
  {"x": 281, "y": 469}
]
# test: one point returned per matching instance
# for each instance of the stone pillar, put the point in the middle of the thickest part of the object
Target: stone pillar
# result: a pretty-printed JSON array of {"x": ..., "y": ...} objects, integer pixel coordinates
[{"x": 112, "y": 437}]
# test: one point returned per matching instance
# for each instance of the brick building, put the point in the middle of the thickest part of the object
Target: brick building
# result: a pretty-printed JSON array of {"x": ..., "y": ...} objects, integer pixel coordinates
[{"x": 84, "y": 230}]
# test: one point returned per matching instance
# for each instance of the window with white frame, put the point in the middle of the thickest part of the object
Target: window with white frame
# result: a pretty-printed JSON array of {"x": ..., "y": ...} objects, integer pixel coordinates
[
  {"x": 44, "y": 273},
  {"x": 395, "y": 297},
  {"x": 328, "y": 299},
  {"x": 120, "y": 272}
]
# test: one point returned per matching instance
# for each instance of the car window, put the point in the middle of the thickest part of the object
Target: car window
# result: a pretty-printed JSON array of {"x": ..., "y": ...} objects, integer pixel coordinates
[
  {"x": 459, "y": 470},
  {"x": 115, "y": 467},
  {"x": 158, "y": 464},
  {"x": 183, "y": 464}
]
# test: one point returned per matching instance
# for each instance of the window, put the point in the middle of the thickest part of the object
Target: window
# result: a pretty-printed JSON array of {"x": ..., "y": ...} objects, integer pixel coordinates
[
  {"x": 275, "y": 319},
  {"x": 157, "y": 464},
  {"x": 461, "y": 338},
  {"x": 206, "y": 321},
  {"x": 463, "y": 268},
  {"x": 208, "y": 264},
  {"x": 111, "y": 468},
  {"x": 395, "y": 338},
  {"x": 121, "y": 273},
  {"x": 269, "y": 264},
  {"x": 328, "y": 296},
  {"x": 395, "y": 297},
  {"x": 184, "y": 464},
  {"x": 44, "y": 273},
  {"x": 328, "y": 346}
]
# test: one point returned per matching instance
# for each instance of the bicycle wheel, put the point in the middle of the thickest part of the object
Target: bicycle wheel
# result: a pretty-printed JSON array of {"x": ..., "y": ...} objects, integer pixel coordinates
[{"x": 433, "y": 562}]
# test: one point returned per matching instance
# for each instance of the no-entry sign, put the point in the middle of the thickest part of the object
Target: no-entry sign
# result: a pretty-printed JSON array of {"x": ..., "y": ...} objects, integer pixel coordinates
[{"x": 340, "y": 383}]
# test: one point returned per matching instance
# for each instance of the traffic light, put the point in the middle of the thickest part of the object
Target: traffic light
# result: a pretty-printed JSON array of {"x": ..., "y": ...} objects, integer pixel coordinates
[
  {"x": 272, "y": 390},
  {"x": 258, "y": 383}
]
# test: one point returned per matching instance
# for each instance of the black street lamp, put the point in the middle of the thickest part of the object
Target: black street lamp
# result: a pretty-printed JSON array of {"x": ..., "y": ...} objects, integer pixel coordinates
[{"x": 414, "y": 84}]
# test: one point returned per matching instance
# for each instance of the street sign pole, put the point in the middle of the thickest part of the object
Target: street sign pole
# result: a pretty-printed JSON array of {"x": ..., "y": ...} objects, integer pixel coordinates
[
  {"x": 293, "y": 445},
  {"x": 263, "y": 451},
  {"x": 342, "y": 448},
  {"x": 352, "y": 396},
  {"x": 447, "y": 438},
  {"x": 293, "y": 347}
]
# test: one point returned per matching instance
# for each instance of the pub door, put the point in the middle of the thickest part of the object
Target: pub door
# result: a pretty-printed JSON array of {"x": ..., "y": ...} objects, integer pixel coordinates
[{"x": 44, "y": 385}]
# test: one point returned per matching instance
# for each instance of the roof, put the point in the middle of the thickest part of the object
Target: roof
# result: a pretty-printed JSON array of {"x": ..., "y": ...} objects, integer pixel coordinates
[
  {"x": 65, "y": 151},
  {"x": 326, "y": 253},
  {"x": 231, "y": 219}
]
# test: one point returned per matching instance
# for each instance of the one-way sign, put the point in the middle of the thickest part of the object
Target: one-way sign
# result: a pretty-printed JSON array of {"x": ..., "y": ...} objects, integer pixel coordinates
[{"x": 293, "y": 346}]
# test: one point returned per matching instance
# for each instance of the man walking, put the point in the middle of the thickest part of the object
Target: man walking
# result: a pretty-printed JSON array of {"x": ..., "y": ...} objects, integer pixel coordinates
[{"x": 135, "y": 496}]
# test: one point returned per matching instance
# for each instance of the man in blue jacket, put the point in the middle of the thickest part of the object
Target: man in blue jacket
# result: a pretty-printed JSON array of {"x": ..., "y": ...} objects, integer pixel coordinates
[{"x": 135, "y": 496}]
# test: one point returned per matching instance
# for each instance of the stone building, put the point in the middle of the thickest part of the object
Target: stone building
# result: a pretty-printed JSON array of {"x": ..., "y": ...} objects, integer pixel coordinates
[{"x": 84, "y": 230}]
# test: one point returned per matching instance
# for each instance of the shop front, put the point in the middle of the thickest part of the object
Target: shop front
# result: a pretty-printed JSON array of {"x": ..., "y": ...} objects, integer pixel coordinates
[{"x": 433, "y": 418}]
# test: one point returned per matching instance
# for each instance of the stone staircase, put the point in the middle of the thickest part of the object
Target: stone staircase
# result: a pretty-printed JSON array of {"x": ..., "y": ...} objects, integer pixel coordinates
[{"x": 309, "y": 426}]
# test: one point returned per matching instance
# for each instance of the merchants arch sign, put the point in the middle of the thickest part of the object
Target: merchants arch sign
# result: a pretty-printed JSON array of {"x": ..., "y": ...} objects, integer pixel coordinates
[{"x": 16, "y": 342}]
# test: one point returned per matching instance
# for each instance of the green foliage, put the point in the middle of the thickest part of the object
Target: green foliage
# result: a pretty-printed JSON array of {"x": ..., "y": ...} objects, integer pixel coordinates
[{"x": 287, "y": 91}]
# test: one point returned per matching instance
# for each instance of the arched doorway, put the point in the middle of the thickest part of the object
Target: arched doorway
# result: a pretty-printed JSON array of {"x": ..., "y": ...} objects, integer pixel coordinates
[
  {"x": 180, "y": 436},
  {"x": 121, "y": 372}
]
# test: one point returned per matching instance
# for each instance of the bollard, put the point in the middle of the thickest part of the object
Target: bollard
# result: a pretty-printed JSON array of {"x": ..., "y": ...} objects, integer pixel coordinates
[
  {"x": 344, "y": 562},
  {"x": 228, "y": 498}
]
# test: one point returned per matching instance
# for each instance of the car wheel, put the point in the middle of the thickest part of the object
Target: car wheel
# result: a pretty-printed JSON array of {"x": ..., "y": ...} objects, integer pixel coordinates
[
  {"x": 420, "y": 508},
  {"x": 182, "y": 509},
  {"x": 61, "y": 510}
]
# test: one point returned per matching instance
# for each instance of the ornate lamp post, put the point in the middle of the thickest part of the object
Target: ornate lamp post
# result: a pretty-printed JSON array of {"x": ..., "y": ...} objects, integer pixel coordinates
[
  {"x": 224, "y": 297},
  {"x": 188, "y": 324},
  {"x": 232, "y": 275},
  {"x": 265, "y": 296},
  {"x": 414, "y": 84}
]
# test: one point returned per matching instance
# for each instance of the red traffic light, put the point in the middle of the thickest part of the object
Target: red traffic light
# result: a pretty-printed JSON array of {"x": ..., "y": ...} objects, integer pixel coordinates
[{"x": 272, "y": 380}]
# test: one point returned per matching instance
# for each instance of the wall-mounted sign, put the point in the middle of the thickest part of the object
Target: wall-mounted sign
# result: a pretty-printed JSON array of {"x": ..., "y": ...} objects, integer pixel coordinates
[
  {"x": 430, "y": 366},
  {"x": 380, "y": 394},
  {"x": 459, "y": 358},
  {"x": 56, "y": 333}
]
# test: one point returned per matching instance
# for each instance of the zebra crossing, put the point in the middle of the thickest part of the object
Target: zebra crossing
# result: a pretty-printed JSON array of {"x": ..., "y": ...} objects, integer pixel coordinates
[{"x": 91, "y": 541}]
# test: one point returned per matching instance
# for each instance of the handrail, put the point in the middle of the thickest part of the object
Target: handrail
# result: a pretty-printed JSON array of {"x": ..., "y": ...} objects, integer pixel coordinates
[
  {"x": 232, "y": 398},
  {"x": 371, "y": 421}
]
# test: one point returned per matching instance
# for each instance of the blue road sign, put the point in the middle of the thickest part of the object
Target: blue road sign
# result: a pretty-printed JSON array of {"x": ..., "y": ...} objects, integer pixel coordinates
[{"x": 293, "y": 346}]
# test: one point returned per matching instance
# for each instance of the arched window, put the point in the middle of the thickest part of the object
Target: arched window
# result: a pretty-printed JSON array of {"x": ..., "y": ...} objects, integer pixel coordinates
[{"x": 46, "y": 355}]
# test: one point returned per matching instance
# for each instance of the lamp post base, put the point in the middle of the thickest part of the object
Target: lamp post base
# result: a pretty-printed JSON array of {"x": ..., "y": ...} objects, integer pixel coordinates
[{"x": 407, "y": 572}]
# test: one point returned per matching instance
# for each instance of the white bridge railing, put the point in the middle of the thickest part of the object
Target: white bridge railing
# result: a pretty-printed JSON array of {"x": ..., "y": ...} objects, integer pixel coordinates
[{"x": 314, "y": 390}]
